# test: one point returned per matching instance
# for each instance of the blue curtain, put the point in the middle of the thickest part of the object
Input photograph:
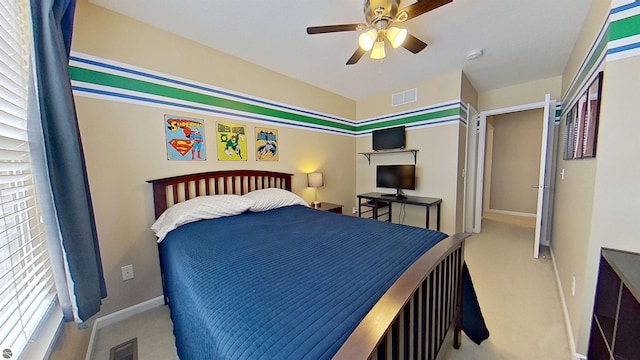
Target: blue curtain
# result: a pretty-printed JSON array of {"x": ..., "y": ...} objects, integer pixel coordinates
[{"x": 64, "y": 157}]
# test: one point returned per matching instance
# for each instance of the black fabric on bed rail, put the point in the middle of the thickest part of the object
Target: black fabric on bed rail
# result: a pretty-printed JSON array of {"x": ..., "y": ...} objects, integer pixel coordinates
[{"x": 472, "y": 320}]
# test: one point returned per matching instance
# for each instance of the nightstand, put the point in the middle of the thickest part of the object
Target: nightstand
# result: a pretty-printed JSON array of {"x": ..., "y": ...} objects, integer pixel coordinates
[{"x": 325, "y": 206}]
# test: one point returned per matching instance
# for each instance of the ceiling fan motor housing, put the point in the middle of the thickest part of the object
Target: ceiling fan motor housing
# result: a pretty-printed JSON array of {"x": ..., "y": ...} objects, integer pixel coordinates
[{"x": 388, "y": 10}]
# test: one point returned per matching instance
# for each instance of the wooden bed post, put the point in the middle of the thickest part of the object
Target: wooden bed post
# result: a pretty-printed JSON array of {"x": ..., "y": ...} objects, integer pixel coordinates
[{"x": 457, "y": 340}]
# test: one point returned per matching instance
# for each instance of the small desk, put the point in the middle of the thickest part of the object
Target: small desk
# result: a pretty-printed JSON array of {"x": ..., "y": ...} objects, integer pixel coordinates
[{"x": 412, "y": 200}]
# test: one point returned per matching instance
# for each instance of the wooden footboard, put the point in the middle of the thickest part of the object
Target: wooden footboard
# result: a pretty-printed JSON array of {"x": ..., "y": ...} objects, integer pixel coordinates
[{"x": 412, "y": 318}]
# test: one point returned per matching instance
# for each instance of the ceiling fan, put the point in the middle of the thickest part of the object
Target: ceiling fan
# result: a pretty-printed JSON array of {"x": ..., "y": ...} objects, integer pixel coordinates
[{"x": 381, "y": 16}]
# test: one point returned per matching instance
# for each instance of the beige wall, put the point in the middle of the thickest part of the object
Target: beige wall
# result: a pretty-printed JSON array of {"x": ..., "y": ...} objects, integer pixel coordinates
[
  {"x": 515, "y": 161},
  {"x": 125, "y": 146},
  {"x": 468, "y": 93},
  {"x": 574, "y": 202},
  {"x": 104, "y": 33},
  {"x": 593, "y": 23},
  {"x": 527, "y": 93},
  {"x": 441, "y": 89},
  {"x": 437, "y": 171},
  {"x": 616, "y": 192},
  {"x": 440, "y": 158}
]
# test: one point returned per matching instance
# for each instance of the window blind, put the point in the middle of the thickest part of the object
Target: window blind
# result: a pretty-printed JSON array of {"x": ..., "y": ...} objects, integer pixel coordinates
[{"x": 26, "y": 282}]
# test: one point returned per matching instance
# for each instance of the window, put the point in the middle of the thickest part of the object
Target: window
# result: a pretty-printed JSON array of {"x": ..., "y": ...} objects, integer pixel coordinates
[{"x": 27, "y": 290}]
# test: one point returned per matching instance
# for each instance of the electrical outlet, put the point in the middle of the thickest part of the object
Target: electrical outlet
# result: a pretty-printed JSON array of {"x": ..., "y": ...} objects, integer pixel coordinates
[
  {"x": 354, "y": 210},
  {"x": 127, "y": 272}
]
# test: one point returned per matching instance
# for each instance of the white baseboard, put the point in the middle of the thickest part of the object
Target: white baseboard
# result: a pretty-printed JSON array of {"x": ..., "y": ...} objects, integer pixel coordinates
[
  {"x": 507, "y": 212},
  {"x": 119, "y": 316},
  {"x": 565, "y": 311}
]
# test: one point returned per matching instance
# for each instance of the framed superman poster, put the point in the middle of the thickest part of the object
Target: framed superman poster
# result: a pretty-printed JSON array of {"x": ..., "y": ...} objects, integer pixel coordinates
[{"x": 185, "y": 138}]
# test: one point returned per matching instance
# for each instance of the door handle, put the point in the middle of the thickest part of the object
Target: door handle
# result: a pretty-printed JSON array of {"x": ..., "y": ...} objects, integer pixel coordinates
[{"x": 540, "y": 186}]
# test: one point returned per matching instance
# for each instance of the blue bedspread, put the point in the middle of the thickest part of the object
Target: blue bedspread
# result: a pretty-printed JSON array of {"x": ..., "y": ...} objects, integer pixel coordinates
[{"x": 289, "y": 283}]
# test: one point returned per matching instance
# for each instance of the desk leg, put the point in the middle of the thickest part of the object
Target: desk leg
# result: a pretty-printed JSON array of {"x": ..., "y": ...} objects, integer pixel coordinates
[
  {"x": 438, "y": 217},
  {"x": 359, "y": 207},
  {"x": 390, "y": 207},
  {"x": 427, "y": 217}
]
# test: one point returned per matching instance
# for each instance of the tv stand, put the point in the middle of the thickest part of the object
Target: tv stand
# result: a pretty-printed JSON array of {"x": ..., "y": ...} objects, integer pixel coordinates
[
  {"x": 398, "y": 195},
  {"x": 374, "y": 198}
]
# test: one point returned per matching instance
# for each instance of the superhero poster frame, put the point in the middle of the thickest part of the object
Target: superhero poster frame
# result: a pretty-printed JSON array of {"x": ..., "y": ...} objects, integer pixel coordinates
[
  {"x": 581, "y": 135},
  {"x": 231, "y": 142},
  {"x": 266, "y": 144},
  {"x": 185, "y": 138}
]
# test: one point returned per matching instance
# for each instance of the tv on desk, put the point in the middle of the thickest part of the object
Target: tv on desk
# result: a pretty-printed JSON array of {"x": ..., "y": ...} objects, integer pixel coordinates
[
  {"x": 397, "y": 177},
  {"x": 387, "y": 139}
]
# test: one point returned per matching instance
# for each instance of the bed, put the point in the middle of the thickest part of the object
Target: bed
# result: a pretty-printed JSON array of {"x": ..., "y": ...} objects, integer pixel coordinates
[{"x": 281, "y": 280}]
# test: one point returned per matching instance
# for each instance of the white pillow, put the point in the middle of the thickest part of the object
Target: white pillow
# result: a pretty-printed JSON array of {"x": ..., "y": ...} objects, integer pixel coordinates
[
  {"x": 267, "y": 199},
  {"x": 202, "y": 207}
]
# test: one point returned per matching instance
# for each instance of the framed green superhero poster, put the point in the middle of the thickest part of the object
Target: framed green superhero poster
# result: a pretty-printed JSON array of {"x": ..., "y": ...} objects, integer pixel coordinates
[
  {"x": 232, "y": 142},
  {"x": 185, "y": 138}
]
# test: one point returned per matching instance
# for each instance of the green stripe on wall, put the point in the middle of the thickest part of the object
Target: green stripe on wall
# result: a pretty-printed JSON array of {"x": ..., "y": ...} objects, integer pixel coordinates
[
  {"x": 624, "y": 28},
  {"x": 120, "y": 82},
  {"x": 588, "y": 67},
  {"x": 412, "y": 119}
]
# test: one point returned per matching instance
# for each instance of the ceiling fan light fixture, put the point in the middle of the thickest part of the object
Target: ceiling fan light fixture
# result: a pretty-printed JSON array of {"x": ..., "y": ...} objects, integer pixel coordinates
[
  {"x": 396, "y": 36},
  {"x": 367, "y": 39},
  {"x": 377, "y": 52}
]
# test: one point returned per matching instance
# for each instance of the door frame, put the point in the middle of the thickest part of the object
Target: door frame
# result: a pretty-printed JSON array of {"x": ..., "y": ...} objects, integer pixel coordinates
[
  {"x": 468, "y": 216},
  {"x": 481, "y": 133}
]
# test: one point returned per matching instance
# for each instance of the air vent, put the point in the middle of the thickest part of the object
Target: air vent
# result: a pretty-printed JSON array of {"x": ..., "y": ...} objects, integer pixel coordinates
[
  {"x": 128, "y": 350},
  {"x": 404, "y": 97}
]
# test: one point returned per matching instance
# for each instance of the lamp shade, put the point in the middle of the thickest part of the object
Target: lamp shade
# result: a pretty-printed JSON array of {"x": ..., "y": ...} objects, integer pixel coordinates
[
  {"x": 396, "y": 36},
  {"x": 315, "y": 180},
  {"x": 378, "y": 50},
  {"x": 367, "y": 39}
]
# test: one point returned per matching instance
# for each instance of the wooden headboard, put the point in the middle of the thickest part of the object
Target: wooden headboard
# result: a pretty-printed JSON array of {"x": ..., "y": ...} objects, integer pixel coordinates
[{"x": 172, "y": 190}]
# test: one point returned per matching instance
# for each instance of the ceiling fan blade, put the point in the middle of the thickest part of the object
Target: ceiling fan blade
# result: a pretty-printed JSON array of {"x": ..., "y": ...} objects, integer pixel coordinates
[
  {"x": 356, "y": 56},
  {"x": 413, "y": 44},
  {"x": 419, "y": 8},
  {"x": 334, "y": 28}
]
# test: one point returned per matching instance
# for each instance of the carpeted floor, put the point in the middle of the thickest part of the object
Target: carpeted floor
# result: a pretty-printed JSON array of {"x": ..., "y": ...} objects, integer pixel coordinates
[{"x": 517, "y": 293}]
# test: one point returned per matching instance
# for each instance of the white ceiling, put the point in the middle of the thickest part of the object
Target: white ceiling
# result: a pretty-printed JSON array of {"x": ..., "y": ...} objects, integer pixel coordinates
[{"x": 523, "y": 40}]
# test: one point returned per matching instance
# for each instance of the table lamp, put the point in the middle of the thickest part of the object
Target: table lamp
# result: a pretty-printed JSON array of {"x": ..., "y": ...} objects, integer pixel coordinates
[{"x": 315, "y": 180}]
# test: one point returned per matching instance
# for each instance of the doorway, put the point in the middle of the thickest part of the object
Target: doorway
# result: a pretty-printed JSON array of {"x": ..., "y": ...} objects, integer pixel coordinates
[
  {"x": 512, "y": 165},
  {"x": 512, "y": 202}
]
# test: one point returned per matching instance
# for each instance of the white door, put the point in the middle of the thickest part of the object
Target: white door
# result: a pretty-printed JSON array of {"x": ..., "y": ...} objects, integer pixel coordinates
[
  {"x": 470, "y": 169},
  {"x": 482, "y": 140},
  {"x": 545, "y": 181}
]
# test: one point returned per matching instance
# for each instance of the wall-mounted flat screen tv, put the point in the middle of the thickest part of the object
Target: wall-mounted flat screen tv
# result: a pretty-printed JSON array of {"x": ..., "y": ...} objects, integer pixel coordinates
[
  {"x": 397, "y": 177},
  {"x": 389, "y": 138}
]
